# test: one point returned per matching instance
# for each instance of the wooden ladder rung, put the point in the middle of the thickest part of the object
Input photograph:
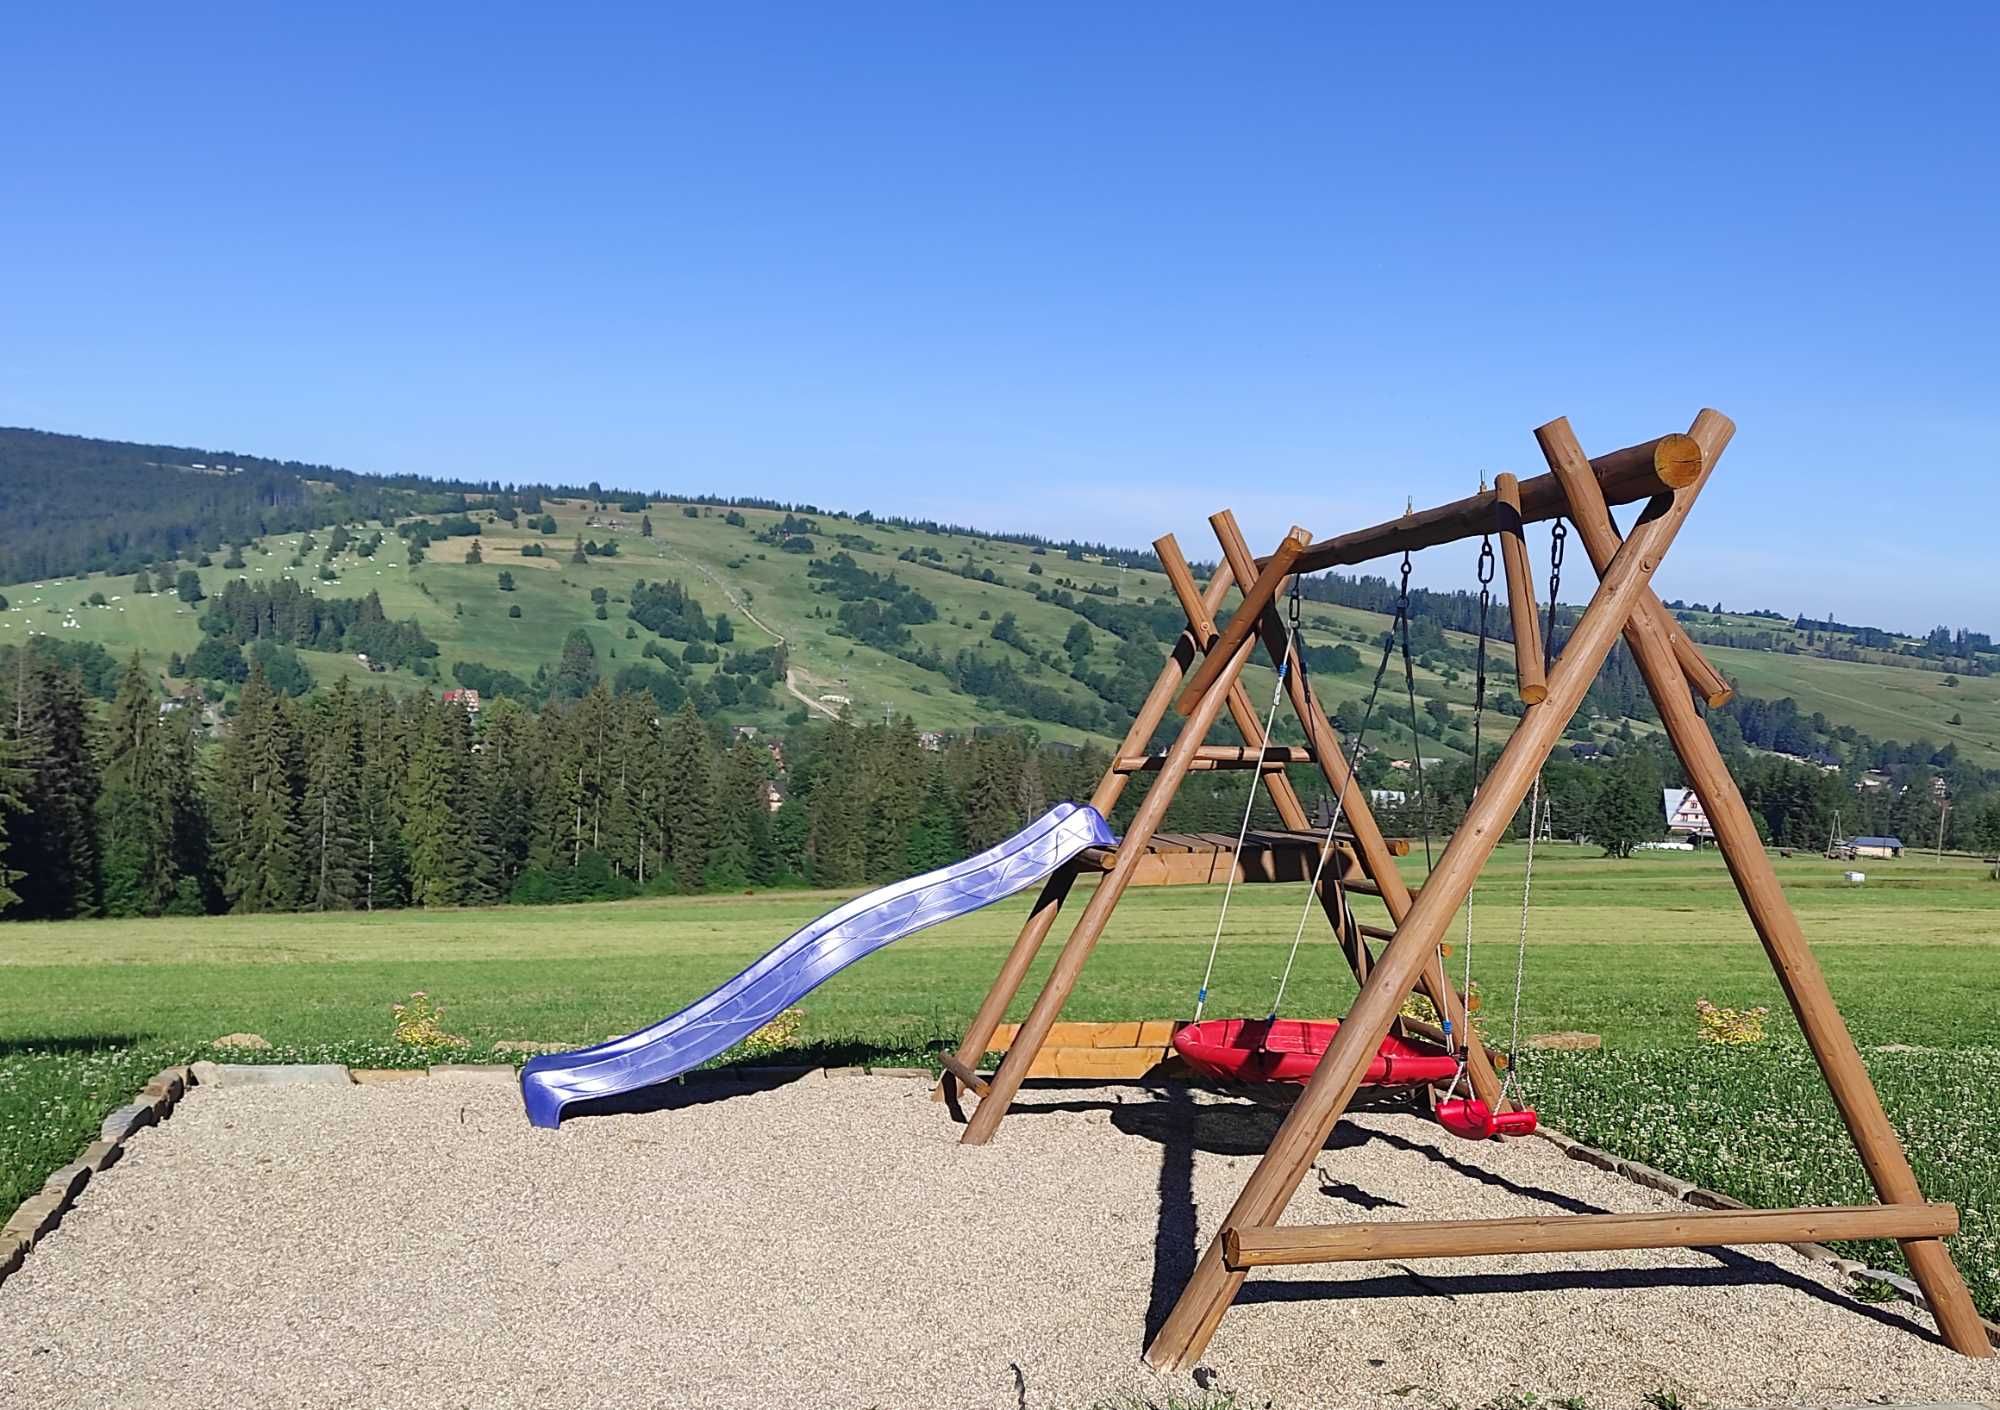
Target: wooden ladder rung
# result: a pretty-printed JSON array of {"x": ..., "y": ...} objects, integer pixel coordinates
[
  {"x": 1267, "y": 1246},
  {"x": 1218, "y": 756}
]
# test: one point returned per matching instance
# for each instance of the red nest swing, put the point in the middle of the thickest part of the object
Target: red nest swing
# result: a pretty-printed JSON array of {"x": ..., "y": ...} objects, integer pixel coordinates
[{"x": 1288, "y": 1049}]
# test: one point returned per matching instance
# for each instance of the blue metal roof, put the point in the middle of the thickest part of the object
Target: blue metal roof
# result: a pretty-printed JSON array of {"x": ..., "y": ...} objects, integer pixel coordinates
[{"x": 1876, "y": 842}]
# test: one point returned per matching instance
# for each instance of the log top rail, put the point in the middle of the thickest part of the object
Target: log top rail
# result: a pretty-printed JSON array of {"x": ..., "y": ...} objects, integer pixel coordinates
[{"x": 1634, "y": 473}]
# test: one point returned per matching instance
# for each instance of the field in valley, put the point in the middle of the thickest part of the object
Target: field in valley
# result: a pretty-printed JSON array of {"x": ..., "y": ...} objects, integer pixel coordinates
[{"x": 88, "y": 1009}]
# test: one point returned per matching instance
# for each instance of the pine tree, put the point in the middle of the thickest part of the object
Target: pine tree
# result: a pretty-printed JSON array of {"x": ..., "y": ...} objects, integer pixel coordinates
[
  {"x": 379, "y": 856},
  {"x": 505, "y": 766},
  {"x": 137, "y": 809},
  {"x": 1626, "y": 810},
  {"x": 690, "y": 796},
  {"x": 992, "y": 794},
  {"x": 258, "y": 802},
  {"x": 838, "y": 839},
  {"x": 743, "y": 821},
  {"x": 473, "y": 555},
  {"x": 645, "y": 526},
  {"x": 142, "y": 584},
  {"x": 434, "y": 833},
  {"x": 53, "y": 842},
  {"x": 933, "y": 837},
  {"x": 577, "y": 555},
  {"x": 332, "y": 806}
]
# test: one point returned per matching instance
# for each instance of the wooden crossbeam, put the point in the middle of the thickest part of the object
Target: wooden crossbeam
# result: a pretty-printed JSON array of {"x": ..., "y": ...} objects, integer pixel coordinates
[
  {"x": 1256, "y": 597},
  {"x": 1218, "y": 756},
  {"x": 1266, "y": 1247}
]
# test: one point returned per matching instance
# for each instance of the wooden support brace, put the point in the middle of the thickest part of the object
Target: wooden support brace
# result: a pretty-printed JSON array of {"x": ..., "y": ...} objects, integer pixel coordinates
[
  {"x": 1256, "y": 597},
  {"x": 1533, "y": 684},
  {"x": 1777, "y": 926},
  {"x": 964, "y": 1074},
  {"x": 1580, "y": 1233},
  {"x": 1305, "y": 1130}
]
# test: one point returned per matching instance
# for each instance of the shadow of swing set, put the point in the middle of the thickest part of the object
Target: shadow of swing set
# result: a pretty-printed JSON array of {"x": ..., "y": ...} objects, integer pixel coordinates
[{"x": 1374, "y": 1042}]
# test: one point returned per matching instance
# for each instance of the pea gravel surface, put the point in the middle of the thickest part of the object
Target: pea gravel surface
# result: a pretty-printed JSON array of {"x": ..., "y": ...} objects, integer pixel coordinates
[{"x": 826, "y": 1243}]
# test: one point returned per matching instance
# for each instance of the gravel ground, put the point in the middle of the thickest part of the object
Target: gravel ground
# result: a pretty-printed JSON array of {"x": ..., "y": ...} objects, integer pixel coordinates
[{"x": 826, "y": 1243}]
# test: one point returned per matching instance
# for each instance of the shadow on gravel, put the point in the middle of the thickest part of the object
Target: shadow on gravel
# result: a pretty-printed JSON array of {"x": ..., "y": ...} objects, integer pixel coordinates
[
  {"x": 699, "y": 1090},
  {"x": 1169, "y": 1115},
  {"x": 1734, "y": 1270}
]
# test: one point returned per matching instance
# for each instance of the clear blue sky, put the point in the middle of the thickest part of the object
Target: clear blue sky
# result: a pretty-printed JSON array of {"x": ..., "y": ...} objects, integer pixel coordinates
[{"x": 1079, "y": 269}]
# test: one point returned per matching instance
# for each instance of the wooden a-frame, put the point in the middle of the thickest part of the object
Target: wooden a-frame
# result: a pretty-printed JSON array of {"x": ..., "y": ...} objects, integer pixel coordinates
[{"x": 1201, "y": 680}]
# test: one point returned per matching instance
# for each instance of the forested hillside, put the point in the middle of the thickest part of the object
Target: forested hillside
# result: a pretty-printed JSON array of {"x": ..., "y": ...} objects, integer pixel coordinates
[{"x": 270, "y": 606}]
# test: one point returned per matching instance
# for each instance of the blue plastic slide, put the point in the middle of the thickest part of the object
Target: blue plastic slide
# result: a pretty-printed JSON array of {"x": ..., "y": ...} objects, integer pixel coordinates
[{"x": 710, "y": 1026}]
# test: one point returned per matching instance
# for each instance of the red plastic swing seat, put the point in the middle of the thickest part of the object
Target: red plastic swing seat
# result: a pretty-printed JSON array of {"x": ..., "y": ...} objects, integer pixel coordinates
[{"x": 1288, "y": 1049}]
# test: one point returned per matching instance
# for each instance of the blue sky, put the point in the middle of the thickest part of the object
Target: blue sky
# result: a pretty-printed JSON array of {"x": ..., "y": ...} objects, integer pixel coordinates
[{"x": 1090, "y": 270}]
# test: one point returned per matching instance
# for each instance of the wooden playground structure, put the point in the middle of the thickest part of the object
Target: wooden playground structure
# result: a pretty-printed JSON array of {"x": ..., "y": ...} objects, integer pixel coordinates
[{"x": 1201, "y": 680}]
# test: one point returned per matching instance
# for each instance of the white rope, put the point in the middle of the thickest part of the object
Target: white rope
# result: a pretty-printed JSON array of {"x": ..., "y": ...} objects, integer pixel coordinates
[
  {"x": 1242, "y": 831},
  {"x": 1521, "y": 948},
  {"x": 1305, "y": 913}
]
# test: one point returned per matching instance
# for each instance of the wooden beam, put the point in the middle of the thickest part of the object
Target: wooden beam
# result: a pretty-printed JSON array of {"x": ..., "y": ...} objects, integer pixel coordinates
[
  {"x": 1218, "y": 756},
  {"x": 1601, "y": 541},
  {"x": 963, "y": 1073},
  {"x": 1528, "y": 673},
  {"x": 1580, "y": 1233},
  {"x": 1256, "y": 597},
  {"x": 1777, "y": 926},
  {"x": 1635, "y": 473},
  {"x": 1209, "y": 1292}
]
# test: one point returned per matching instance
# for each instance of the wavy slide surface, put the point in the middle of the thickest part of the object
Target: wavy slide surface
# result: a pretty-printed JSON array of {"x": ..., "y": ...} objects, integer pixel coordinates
[{"x": 808, "y": 958}]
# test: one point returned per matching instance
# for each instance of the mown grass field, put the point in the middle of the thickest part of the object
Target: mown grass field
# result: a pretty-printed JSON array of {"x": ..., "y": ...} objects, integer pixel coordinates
[{"x": 1624, "y": 949}]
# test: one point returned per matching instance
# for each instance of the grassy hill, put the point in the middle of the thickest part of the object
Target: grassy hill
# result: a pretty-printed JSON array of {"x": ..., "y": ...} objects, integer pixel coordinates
[{"x": 734, "y": 562}]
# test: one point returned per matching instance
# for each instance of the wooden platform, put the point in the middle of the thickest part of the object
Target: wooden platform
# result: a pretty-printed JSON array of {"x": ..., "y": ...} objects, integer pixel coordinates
[
  {"x": 1197, "y": 858},
  {"x": 1113, "y": 1051}
]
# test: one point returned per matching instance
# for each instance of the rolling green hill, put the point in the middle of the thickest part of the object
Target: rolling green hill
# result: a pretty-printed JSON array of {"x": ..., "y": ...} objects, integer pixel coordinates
[{"x": 1058, "y": 665}]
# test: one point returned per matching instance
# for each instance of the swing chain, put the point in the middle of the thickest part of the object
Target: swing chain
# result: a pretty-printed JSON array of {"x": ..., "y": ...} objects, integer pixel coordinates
[{"x": 1557, "y": 537}]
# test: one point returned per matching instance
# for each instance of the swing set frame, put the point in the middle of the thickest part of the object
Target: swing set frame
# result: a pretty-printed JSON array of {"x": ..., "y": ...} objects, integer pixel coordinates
[{"x": 1201, "y": 680}]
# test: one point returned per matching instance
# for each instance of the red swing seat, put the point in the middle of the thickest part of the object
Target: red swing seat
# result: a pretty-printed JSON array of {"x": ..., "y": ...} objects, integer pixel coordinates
[{"x": 1288, "y": 1049}]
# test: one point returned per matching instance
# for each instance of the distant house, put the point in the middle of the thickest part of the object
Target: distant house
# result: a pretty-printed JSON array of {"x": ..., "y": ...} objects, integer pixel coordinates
[
  {"x": 774, "y": 795},
  {"x": 463, "y": 695},
  {"x": 1873, "y": 779},
  {"x": 930, "y": 739},
  {"x": 1876, "y": 846},
  {"x": 746, "y": 731},
  {"x": 1685, "y": 815},
  {"x": 1585, "y": 752},
  {"x": 1388, "y": 797}
]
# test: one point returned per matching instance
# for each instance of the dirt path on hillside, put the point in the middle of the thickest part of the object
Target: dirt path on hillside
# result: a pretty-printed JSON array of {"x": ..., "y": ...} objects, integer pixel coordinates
[{"x": 777, "y": 636}]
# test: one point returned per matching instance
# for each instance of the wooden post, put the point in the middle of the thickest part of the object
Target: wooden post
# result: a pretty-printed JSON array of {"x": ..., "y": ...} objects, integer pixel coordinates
[
  {"x": 1528, "y": 672},
  {"x": 1756, "y": 880},
  {"x": 1259, "y": 594},
  {"x": 1055, "y": 891},
  {"x": 1369, "y": 842},
  {"x": 1214, "y": 1285},
  {"x": 1048, "y": 1004}
]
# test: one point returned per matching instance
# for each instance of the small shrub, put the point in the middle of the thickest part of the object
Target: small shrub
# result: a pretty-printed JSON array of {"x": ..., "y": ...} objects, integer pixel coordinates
[
  {"x": 420, "y": 1024},
  {"x": 1734, "y": 1027},
  {"x": 776, "y": 1036}
]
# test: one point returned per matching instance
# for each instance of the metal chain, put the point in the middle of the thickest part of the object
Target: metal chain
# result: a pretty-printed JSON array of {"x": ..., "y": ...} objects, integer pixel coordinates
[{"x": 1557, "y": 537}]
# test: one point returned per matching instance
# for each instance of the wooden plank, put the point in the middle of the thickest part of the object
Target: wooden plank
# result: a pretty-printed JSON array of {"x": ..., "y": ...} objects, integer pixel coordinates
[
  {"x": 1580, "y": 1233},
  {"x": 1242, "y": 627},
  {"x": 1635, "y": 473},
  {"x": 1219, "y": 756}
]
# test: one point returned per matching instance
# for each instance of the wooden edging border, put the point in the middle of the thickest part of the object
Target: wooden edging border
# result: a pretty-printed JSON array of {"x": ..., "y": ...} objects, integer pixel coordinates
[
  {"x": 40, "y": 1214},
  {"x": 1636, "y": 1172}
]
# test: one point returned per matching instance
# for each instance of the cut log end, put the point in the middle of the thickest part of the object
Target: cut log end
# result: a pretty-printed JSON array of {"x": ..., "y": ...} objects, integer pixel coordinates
[
  {"x": 1719, "y": 698},
  {"x": 1534, "y": 694},
  {"x": 1677, "y": 460}
]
